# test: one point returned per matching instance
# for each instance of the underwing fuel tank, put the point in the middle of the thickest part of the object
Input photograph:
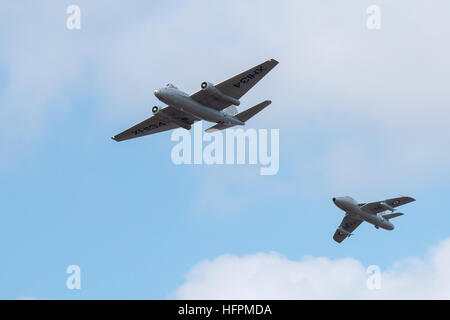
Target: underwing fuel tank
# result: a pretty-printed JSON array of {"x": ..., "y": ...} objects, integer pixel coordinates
[{"x": 386, "y": 206}]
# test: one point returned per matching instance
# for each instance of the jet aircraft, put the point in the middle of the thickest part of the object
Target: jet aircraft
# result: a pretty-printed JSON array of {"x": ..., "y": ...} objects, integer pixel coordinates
[
  {"x": 212, "y": 103},
  {"x": 373, "y": 212}
]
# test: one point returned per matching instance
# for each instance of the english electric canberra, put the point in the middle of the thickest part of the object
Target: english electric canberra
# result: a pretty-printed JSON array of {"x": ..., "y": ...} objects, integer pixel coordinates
[{"x": 212, "y": 103}]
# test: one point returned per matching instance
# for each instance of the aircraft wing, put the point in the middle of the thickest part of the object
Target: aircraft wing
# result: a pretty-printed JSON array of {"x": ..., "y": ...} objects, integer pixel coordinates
[
  {"x": 347, "y": 226},
  {"x": 166, "y": 119},
  {"x": 376, "y": 207},
  {"x": 236, "y": 86}
]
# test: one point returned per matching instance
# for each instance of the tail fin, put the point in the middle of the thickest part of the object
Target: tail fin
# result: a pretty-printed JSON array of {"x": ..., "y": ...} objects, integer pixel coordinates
[
  {"x": 243, "y": 116},
  {"x": 392, "y": 215}
]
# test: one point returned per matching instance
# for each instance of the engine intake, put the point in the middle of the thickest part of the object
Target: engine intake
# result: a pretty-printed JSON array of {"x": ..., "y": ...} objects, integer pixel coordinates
[
  {"x": 156, "y": 109},
  {"x": 211, "y": 89}
]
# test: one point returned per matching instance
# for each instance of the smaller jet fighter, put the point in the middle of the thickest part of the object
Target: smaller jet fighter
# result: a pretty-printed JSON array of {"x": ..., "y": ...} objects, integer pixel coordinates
[{"x": 373, "y": 212}]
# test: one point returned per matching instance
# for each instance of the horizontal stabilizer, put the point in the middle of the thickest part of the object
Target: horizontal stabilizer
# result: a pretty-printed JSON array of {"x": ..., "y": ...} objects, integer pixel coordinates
[
  {"x": 243, "y": 116},
  {"x": 392, "y": 215},
  {"x": 247, "y": 114}
]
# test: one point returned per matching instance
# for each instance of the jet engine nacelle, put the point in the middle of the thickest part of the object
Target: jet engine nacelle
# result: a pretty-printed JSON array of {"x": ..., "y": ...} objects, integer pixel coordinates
[
  {"x": 211, "y": 89},
  {"x": 156, "y": 109}
]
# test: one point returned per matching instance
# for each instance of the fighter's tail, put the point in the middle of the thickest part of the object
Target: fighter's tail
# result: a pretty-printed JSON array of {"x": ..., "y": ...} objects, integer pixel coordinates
[
  {"x": 243, "y": 116},
  {"x": 392, "y": 215}
]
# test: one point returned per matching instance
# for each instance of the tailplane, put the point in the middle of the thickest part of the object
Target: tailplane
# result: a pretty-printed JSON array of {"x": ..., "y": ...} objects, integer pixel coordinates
[
  {"x": 243, "y": 116},
  {"x": 392, "y": 215}
]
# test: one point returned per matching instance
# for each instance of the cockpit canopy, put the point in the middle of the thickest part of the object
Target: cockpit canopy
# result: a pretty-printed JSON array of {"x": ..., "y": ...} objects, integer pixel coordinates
[{"x": 169, "y": 85}]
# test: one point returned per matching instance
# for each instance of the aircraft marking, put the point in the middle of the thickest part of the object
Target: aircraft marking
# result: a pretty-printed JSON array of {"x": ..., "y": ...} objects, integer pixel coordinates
[{"x": 250, "y": 76}]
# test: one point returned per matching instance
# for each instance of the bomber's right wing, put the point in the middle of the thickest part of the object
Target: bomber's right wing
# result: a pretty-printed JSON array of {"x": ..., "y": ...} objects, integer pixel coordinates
[
  {"x": 347, "y": 226},
  {"x": 236, "y": 86},
  {"x": 166, "y": 119}
]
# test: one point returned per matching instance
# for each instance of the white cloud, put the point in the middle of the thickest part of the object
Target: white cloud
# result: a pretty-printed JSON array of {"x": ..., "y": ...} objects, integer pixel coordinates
[{"x": 273, "y": 276}]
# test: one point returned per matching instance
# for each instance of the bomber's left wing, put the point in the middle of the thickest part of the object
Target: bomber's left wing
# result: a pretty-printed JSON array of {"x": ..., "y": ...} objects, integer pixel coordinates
[
  {"x": 347, "y": 226},
  {"x": 235, "y": 87},
  {"x": 380, "y": 206},
  {"x": 166, "y": 119}
]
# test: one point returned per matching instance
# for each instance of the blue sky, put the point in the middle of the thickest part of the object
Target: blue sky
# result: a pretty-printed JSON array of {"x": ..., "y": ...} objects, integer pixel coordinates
[{"x": 361, "y": 112}]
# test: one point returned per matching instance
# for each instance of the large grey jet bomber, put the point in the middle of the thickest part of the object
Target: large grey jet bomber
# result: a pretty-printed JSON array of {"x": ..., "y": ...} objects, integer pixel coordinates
[
  {"x": 207, "y": 104},
  {"x": 373, "y": 212}
]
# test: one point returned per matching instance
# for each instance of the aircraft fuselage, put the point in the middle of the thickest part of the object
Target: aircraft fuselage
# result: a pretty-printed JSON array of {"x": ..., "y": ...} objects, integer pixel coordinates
[
  {"x": 183, "y": 102},
  {"x": 351, "y": 206}
]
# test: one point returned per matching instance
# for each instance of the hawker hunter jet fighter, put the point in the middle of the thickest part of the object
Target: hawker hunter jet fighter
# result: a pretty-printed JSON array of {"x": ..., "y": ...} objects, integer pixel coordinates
[
  {"x": 208, "y": 104},
  {"x": 373, "y": 212}
]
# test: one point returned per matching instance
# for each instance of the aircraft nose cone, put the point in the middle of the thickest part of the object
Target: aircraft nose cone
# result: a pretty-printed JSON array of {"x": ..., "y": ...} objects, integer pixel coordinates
[
  {"x": 157, "y": 93},
  {"x": 334, "y": 199}
]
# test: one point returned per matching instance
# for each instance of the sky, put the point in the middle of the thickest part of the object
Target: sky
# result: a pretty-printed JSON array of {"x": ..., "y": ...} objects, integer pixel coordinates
[{"x": 360, "y": 112}]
